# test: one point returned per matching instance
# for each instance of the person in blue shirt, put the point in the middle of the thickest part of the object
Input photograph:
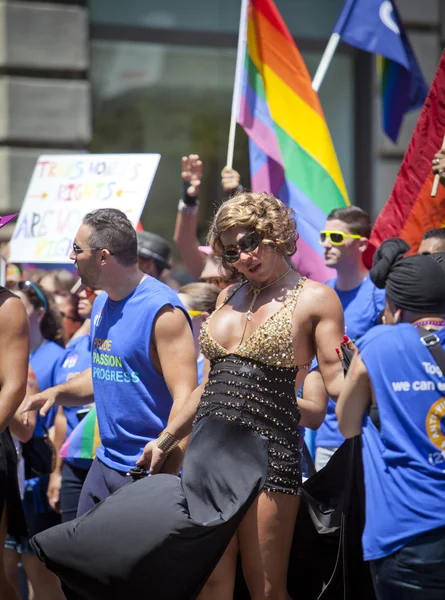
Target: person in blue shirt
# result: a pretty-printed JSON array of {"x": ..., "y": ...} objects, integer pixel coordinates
[
  {"x": 404, "y": 459},
  {"x": 345, "y": 241},
  {"x": 68, "y": 477},
  {"x": 140, "y": 333}
]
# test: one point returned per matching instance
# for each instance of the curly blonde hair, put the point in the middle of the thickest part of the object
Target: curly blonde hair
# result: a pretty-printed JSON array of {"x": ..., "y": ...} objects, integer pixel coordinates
[{"x": 263, "y": 213}]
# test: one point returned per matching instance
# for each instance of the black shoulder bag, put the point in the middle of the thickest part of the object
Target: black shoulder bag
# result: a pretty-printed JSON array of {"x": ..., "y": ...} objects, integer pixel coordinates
[
  {"x": 39, "y": 455},
  {"x": 431, "y": 340}
]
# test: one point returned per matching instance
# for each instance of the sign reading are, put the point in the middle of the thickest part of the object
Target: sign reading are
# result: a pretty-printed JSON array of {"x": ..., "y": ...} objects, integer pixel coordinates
[{"x": 64, "y": 188}]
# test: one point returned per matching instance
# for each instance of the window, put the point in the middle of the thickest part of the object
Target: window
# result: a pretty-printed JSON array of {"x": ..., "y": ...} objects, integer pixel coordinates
[{"x": 162, "y": 77}]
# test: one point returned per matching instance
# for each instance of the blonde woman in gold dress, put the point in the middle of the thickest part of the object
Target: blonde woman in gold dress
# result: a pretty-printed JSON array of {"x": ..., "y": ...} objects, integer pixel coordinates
[{"x": 178, "y": 539}]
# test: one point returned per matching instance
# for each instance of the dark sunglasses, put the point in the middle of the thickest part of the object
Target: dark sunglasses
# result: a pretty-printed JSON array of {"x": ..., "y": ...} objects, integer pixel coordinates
[
  {"x": 78, "y": 250},
  {"x": 24, "y": 286},
  {"x": 248, "y": 243},
  {"x": 214, "y": 280}
]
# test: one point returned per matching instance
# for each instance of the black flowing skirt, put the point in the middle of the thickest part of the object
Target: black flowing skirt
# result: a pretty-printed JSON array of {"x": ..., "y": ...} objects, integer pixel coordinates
[{"x": 161, "y": 537}]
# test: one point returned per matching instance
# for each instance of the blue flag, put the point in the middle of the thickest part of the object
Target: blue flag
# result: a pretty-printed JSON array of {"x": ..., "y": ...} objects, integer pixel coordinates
[{"x": 375, "y": 26}]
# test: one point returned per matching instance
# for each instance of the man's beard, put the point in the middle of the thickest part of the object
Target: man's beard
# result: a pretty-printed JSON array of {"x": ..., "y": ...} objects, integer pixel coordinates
[{"x": 88, "y": 277}]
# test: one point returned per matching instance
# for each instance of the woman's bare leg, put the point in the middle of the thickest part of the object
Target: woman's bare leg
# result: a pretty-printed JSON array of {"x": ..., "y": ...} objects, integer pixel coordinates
[
  {"x": 221, "y": 583},
  {"x": 7, "y": 591},
  {"x": 265, "y": 540},
  {"x": 45, "y": 584}
]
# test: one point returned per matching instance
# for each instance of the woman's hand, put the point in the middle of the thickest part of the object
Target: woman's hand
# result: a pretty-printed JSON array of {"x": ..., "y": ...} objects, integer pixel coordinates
[
  {"x": 53, "y": 492},
  {"x": 152, "y": 458},
  {"x": 345, "y": 343}
]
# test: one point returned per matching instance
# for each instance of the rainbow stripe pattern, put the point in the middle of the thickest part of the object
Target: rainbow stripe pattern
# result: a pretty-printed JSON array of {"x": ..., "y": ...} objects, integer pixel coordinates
[
  {"x": 375, "y": 26},
  {"x": 84, "y": 439},
  {"x": 290, "y": 147},
  {"x": 395, "y": 89}
]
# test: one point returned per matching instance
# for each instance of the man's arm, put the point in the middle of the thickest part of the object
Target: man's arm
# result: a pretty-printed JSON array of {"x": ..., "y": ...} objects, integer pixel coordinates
[
  {"x": 355, "y": 398},
  {"x": 76, "y": 392},
  {"x": 180, "y": 427},
  {"x": 186, "y": 226},
  {"x": 329, "y": 329},
  {"x": 175, "y": 355},
  {"x": 175, "y": 358},
  {"x": 14, "y": 357}
]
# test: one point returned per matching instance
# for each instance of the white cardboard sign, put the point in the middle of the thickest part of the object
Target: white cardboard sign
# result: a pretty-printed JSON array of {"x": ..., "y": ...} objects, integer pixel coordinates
[{"x": 64, "y": 188}]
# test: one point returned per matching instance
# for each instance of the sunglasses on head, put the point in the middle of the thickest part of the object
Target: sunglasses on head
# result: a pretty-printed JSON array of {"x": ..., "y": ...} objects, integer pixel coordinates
[
  {"x": 214, "y": 281},
  {"x": 248, "y": 243},
  {"x": 337, "y": 238},
  {"x": 24, "y": 286}
]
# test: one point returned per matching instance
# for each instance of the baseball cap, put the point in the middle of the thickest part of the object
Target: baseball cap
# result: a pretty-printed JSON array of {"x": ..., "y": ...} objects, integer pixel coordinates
[{"x": 151, "y": 245}]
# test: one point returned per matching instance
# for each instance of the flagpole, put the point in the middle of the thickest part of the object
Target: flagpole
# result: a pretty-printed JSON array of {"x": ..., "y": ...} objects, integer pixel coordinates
[
  {"x": 236, "y": 98},
  {"x": 326, "y": 59}
]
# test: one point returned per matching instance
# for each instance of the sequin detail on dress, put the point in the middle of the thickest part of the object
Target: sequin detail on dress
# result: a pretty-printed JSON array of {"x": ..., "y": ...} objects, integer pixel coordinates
[
  {"x": 271, "y": 343},
  {"x": 253, "y": 387}
]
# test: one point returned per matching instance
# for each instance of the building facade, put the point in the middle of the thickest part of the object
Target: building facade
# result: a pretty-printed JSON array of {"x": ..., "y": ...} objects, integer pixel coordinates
[{"x": 115, "y": 76}]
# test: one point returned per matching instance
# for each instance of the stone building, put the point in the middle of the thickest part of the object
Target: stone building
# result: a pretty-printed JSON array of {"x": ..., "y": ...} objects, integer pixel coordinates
[{"x": 157, "y": 76}]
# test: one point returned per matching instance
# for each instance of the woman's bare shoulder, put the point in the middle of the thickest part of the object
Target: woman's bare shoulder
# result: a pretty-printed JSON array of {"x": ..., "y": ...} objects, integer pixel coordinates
[{"x": 319, "y": 296}]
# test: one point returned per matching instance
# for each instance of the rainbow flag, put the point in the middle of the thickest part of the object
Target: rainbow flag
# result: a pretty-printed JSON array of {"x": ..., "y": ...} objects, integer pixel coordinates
[
  {"x": 84, "y": 439},
  {"x": 290, "y": 147},
  {"x": 375, "y": 26},
  {"x": 410, "y": 209}
]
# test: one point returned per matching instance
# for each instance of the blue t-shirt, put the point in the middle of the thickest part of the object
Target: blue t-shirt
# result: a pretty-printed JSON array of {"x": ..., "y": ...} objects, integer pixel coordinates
[
  {"x": 404, "y": 463},
  {"x": 362, "y": 307},
  {"x": 44, "y": 363},
  {"x": 76, "y": 359},
  {"x": 132, "y": 399}
]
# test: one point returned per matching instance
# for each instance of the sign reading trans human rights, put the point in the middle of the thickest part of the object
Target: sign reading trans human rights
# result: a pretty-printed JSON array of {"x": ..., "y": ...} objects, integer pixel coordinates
[{"x": 64, "y": 188}]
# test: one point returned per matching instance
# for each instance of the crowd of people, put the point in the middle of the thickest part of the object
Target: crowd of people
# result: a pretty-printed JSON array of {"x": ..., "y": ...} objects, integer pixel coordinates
[{"x": 115, "y": 371}]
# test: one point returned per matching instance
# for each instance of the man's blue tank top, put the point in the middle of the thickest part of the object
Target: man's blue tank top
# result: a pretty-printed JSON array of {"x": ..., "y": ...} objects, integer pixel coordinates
[
  {"x": 361, "y": 306},
  {"x": 132, "y": 399},
  {"x": 404, "y": 463},
  {"x": 76, "y": 359}
]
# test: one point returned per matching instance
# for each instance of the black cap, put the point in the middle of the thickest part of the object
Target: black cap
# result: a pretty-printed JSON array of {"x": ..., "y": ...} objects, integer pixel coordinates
[{"x": 151, "y": 245}]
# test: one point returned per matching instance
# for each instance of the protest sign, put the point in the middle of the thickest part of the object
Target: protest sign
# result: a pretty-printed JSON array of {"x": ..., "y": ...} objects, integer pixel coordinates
[{"x": 64, "y": 188}]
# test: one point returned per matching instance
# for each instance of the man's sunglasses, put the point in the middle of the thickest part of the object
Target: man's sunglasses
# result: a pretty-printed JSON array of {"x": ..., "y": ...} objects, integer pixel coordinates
[
  {"x": 24, "y": 286},
  {"x": 248, "y": 243},
  {"x": 78, "y": 250},
  {"x": 337, "y": 238}
]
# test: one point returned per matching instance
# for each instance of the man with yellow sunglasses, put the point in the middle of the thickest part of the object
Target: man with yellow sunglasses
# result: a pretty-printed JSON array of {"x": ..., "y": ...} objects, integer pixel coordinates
[{"x": 345, "y": 239}]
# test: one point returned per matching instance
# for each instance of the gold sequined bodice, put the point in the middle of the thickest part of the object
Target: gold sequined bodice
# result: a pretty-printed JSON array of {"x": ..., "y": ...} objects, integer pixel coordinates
[{"x": 271, "y": 343}]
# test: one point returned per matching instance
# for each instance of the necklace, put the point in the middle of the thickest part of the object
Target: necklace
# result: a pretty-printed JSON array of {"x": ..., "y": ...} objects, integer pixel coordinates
[
  {"x": 256, "y": 293},
  {"x": 430, "y": 323}
]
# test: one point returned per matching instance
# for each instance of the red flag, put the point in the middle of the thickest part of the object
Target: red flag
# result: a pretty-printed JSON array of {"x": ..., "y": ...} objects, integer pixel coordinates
[{"x": 410, "y": 209}]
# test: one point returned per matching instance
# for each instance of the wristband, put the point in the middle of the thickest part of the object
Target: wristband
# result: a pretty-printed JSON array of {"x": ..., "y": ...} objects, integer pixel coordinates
[
  {"x": 189, "y": 200},
  {"x": 168, "y": 442},
  {"x": 188, "y": 209}
]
